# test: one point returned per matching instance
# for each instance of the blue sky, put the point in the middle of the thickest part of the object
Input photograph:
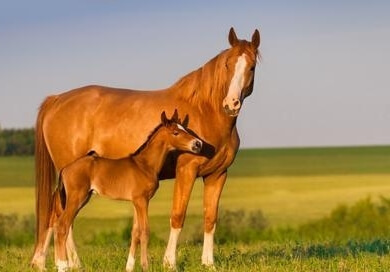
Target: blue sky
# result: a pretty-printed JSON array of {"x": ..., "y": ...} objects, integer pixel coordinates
[{"x": 323, "y": 79}]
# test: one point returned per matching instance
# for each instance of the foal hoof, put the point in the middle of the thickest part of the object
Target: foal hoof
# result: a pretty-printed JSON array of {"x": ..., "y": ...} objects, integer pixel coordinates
[
  {"x": 209, "y": 267},
  {"x": 62, "y": 266},
  {"x": 169, "y": 264},
  {"x": 38, "y": 264}
]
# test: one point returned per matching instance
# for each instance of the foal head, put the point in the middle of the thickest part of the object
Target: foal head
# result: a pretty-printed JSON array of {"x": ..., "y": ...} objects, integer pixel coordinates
[
  {"x": 176, "y": 136},
  {"x": 240, "y": 63}
]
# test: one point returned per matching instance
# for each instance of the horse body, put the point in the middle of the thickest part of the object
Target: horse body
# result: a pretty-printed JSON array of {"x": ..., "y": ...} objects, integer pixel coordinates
[
  {"x": 101, "y": 118},
  {"x": 92, "y": 130}
]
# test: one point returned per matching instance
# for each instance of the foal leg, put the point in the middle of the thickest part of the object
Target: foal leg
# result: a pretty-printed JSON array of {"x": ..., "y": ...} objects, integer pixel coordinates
[
  {"x": 185, "y": 179},
  {"x": 135, "y": 238},
  {"x": 74, "y": 202},
  {"x": 141, "y": 206},
  {"x": 213, "y": 186},
  {"x": 73, "y": 258}
]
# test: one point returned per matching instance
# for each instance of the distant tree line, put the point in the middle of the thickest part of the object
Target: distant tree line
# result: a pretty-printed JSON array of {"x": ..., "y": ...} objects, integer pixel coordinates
[{"x": 17, "y": 142}]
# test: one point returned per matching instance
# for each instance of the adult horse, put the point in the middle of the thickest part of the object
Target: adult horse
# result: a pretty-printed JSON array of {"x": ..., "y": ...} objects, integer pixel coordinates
[{"x": 115, "y": 122}]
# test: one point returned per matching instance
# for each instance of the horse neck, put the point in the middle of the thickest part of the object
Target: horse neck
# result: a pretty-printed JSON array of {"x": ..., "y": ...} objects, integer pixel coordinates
[
  {"x": 153, "y": 156},
  {"x": 204, "y": 87}
]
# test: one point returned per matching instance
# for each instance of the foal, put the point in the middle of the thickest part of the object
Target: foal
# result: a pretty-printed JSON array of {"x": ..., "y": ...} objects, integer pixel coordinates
[{"x": 133, "y": 178}]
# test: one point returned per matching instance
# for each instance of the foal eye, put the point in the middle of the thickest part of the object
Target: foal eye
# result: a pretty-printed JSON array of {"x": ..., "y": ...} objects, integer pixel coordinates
[{"x": 175, "y": 132}]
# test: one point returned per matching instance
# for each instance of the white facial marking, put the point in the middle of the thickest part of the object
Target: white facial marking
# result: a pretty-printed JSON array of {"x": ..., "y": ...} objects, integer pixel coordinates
[
  {"x": 208, "y": 245},
  {"x": 181, "y": 127},
  {"x": 237, "y": 82}
]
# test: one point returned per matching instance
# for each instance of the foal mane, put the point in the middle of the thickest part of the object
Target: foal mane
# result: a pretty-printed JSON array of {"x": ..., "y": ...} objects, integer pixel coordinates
[
  {"x": 152, "y": 133},
  {"x": 150, "y": 136}
]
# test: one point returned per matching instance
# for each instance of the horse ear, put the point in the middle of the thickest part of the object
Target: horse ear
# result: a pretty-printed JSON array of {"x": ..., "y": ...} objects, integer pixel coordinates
[
  {"x": 232, "y": 37},
  {"x": 256, "y": 38},
  {"x": 175, "y": 116},
  {"x": 186, "y": 121},
  {"x": 164, "y": 119}
]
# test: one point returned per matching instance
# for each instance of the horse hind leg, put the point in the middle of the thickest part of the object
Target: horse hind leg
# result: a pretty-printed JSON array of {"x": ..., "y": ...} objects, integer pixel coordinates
[{"x": 39, "y": 258}]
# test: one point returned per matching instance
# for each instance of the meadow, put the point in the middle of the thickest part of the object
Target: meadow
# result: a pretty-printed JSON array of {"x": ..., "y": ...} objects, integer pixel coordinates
[{"x": 290, "y": 204}]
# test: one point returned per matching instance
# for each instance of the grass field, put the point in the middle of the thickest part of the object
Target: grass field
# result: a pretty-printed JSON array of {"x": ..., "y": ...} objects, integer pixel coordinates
[
  {"x": 19, "y": 171},
  {"x": 290, "y": 186}
]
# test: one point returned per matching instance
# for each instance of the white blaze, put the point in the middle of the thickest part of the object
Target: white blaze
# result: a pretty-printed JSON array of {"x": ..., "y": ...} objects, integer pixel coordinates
[
  {"x": 181, "y": 127},
  {"x": 237, "y": 82}
]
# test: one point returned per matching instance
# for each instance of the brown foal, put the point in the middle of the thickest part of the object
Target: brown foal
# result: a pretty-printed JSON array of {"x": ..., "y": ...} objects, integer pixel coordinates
[{"x": 133, "y": 178}]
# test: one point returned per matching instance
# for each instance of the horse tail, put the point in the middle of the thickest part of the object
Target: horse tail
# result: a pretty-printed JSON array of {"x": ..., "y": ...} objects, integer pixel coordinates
[{"x": 45, "y": 174}]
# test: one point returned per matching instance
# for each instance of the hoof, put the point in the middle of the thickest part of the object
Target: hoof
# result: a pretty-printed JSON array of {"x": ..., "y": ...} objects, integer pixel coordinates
[{"x": 38, "y": 263}]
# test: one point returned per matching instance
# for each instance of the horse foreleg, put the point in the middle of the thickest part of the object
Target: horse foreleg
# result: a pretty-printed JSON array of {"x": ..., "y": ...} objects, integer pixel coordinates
[
  {"x": 213, "y": 186},
  {"x": 135, "y": 238},
  {"x": 185, "y": 178}
]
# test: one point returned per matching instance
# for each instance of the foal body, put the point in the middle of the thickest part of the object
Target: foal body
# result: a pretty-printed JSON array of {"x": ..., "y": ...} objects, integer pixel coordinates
[{"x": 134, "y": 178}]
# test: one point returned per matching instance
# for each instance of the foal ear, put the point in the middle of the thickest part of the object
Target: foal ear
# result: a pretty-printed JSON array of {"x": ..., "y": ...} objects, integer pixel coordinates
[
  {"x": 256, "y": 39},
  {"x": 175, "y": 116},
  {"x": 186, "y": 121},
  {"x": 232, "y": 37},
  {"x": 164, "y": 119}
]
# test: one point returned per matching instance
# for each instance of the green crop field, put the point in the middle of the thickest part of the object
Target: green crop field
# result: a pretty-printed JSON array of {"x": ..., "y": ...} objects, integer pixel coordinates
[{"x": 291, "y": 188}]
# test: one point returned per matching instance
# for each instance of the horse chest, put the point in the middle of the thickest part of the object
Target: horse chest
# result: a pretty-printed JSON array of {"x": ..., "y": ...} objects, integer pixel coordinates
[{"x": 220, "y": 162}]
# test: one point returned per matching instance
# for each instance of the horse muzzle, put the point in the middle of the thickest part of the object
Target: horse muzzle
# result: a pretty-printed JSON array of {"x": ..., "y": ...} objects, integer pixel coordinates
[{"x": 232, "y": 106}]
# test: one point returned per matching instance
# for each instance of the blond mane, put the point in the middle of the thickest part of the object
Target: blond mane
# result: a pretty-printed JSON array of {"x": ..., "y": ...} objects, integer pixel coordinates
[
  {"x": 207, "y": 84},
  {"x": 210, "y": 83}
]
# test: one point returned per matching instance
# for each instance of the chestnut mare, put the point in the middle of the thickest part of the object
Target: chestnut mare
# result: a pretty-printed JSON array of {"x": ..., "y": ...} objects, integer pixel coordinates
[
  {"x": 115, "y": 122},
  {"x": 133, "y": 178}
]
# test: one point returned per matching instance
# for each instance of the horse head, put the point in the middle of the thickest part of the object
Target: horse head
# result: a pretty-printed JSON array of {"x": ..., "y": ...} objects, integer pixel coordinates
[{"x": 240, "y": 62}]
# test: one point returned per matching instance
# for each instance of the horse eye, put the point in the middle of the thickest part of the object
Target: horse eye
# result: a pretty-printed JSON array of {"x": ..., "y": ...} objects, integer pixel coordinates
[{"x": 175, "y": 132}]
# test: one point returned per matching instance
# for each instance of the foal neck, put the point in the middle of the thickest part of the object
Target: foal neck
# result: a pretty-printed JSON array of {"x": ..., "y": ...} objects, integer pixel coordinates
[{"x": 152, "y": 156}]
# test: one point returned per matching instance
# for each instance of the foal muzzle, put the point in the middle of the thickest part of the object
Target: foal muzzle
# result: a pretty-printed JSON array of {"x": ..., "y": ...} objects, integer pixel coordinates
[{"x": 196, "y": 146}]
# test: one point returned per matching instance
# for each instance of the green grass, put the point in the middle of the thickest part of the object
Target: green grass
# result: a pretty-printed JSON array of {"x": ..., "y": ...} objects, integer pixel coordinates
[
  {"x": 261, "y": 257},
  {"x": 290, "y": 186},
  {"x": 312, "y": 161},
  {"x": 284, "y": 200},
  {"x": 19, "y": 171}
]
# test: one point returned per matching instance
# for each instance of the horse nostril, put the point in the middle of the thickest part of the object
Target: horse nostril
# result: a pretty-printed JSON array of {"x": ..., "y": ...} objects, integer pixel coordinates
[{"x": 236, "y": 103}]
